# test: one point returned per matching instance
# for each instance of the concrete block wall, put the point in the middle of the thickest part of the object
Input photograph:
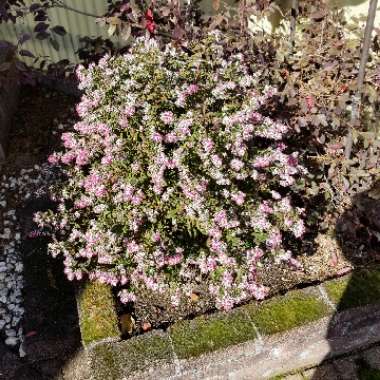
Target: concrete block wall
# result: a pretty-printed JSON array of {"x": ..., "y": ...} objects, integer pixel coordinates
[{"x": 9, "y": 90}]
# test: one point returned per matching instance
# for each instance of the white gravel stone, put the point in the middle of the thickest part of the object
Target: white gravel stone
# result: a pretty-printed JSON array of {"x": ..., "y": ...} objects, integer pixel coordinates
[
  {"x": 20, "y": 187},
  {"x": 12, "y": 341}
]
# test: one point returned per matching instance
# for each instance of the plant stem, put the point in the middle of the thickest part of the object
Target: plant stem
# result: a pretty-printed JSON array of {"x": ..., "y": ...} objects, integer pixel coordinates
[{"x": 357, "y": 97}]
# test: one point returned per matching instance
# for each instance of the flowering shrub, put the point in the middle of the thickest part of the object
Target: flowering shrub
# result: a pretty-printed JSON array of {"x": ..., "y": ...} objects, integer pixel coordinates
[{"x": 175, "y": 175}]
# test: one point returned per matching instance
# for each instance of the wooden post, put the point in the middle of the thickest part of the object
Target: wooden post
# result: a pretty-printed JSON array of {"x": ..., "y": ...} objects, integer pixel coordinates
[
  {"x": 293, "y": 22},
  {"x": 357, "y": 97}
]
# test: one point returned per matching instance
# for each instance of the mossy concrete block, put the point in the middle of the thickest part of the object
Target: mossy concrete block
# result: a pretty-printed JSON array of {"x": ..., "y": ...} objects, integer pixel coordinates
[
  {"x": 358, "y": 289},
  {"x": 282, "y": 313},
  {"x": 113, "y": 361},
  {"x": 209, "y": 333},
  {"x": 97, "y": 314}
]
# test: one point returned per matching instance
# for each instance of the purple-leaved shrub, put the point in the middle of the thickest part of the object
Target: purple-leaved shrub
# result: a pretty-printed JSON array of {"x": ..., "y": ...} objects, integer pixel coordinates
[{"x": 175, "y": 176}]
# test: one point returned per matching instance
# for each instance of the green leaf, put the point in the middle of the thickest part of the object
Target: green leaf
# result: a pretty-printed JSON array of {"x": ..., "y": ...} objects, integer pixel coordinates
[
  {"x": 54, "y": 43},
  {"x": 60, "y": 30}
]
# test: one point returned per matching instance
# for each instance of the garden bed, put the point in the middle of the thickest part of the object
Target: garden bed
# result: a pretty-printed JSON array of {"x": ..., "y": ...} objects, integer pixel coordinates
[
  {"x": 326, "y": 258},
  {"x": 187, "y": 202},
  {"x": 196, "y": 329}
]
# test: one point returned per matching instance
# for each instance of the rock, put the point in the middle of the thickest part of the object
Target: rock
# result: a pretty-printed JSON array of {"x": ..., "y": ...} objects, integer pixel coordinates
[{"x": 11, "y": 341}]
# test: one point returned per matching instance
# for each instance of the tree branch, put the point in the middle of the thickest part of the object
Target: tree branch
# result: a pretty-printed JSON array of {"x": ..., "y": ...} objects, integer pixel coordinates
[{"x": 67, "y": 7}]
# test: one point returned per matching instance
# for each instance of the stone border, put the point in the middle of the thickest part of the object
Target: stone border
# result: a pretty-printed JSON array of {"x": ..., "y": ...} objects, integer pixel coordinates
[
  {"x": 9, "y": 90},
  {"x": 97, "y": 314},
  {"x": 257, "y": 340}
]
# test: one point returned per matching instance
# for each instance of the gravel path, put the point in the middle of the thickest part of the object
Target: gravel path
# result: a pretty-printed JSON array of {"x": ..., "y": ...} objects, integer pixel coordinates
[
  {"x": 363, "y": 365},
  {"x": 14, "y": 191},
  {"x": 38, "y": 318}
]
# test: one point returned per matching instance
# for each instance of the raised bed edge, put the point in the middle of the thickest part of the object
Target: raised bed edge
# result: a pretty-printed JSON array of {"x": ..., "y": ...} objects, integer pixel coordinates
[{"x": 204, "y": 335}]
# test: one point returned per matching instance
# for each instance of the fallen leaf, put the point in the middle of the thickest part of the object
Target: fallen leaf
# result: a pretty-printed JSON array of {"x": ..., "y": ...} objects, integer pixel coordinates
[
  {"x": 146, "y": 326},
  {"x": 127, "y": 324},
  {"x": 30, "y": 334}
]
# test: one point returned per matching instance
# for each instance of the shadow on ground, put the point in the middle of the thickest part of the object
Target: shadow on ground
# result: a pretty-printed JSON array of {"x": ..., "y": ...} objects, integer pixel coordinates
[
  {"x": 357, "y": 231},
  {"x": 50, "y": 321}
]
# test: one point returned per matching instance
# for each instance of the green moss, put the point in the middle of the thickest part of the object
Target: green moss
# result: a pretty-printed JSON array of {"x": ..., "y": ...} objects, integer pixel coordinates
[
  {"x": 359, "y": 289},
  {"x": 98, "y": 319},
  {"x": 111, "y": 361},
  {"x": 209, "y": 333},
  {"x": 283, "y": 313},
  {"x": 104, "y": 365}
]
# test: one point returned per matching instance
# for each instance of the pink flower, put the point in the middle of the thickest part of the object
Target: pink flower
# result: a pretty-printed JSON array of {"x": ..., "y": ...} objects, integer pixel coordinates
[
  {"x": 208, "y": 144},
  {"x": 255, "y": 254},
  {"x": 220, "y": 218},
  {"x": 167, "y": 117},
  {"x": 175, "y": 259},
  {"x": 68, "y": 140},
  {"x": 129, "y": 111},
  {"x": 238, "y": 198},
  {"x": 68, "y": 157},
  {"x": 53, "y": 159},
  {"x": 216, "y": 161},
  {"x": 262, "y": 162},
  {"x": 226, "y": 303},
  {"x": 192, "y": 89},
  {"x": 157, "y": 137},
  {"x": 258, "y": 291},
  {"x": 265, "y": 207},
  {"x": 82, "y": 157},
  {"x": 274, "y": 240},
  {"x": 83, "y": 202},
  {"x": 255, "y": 117},
  {"x": 126, "y": 296},
  {"x": 101, "y": 191},
  {"x": 298, "y": 229},
  {"x": 227, "y": 279},
  {"x": 107, "y": 160},
  {"x": 293, "y": 160},
  {"x": 236, "y": 164},
  {"x": 128, "y": 193},
  {"x": 171, "y": 138},
  {"x": 156, "y": 237},
  {"x": 132, "y": 247},
  {"x": 137, "y": 198}
]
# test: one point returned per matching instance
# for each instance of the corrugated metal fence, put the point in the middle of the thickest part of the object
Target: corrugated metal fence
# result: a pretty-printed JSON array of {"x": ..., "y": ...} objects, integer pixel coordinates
[{"x": 76, "y": 23}]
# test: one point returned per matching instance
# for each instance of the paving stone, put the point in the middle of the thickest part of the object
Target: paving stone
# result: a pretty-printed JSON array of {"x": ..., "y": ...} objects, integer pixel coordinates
[
  {"x": 357, "y": 289},
  {"x": 346, "y": 369},
  {"x": 324, "y": 372}
]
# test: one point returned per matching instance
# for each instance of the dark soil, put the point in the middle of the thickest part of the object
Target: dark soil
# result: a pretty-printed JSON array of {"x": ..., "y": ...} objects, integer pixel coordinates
[{"x": 50, "y": 321}]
